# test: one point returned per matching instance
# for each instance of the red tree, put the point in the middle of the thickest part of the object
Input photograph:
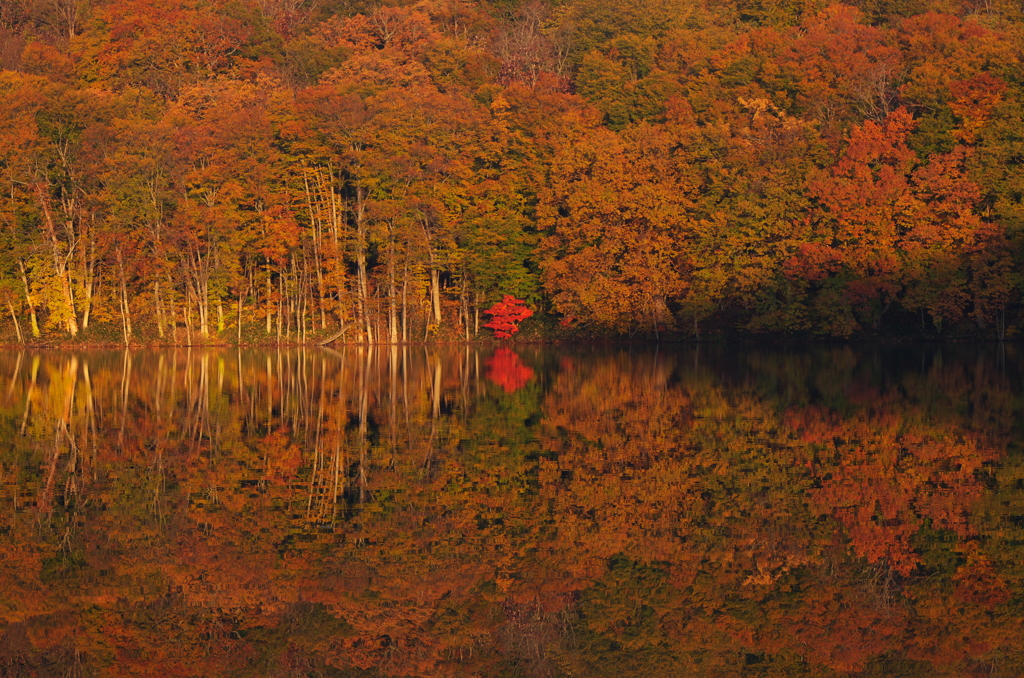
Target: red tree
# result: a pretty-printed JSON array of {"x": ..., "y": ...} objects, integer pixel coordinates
[{"x": 506, "y": 316}]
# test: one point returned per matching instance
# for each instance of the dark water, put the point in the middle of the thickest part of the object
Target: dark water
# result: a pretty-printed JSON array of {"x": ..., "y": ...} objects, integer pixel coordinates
[{"x": 542, "y": 512}]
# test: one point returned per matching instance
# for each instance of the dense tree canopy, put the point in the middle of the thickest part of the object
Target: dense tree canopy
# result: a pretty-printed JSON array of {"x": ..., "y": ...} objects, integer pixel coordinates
[{"x": 285, "y": 170}]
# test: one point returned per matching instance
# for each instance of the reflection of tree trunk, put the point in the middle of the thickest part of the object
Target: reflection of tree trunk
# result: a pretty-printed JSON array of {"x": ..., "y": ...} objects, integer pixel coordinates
[
  {"x": 476, "y": 372},
  {"x": 126, "y": 380},
  {"x": 63, "y": 431},
  {"x": 364, "y": 404},
  {"x": 198, "y": 396},
  {"x": 393, "y": 382},
  {"x": 435, "y": 401},
  {"x": 436, "y": 395},
  {"x": 33, "y": 377},
  {"x": 466, "y": 371},
  {"x": 90, "y": 405}
]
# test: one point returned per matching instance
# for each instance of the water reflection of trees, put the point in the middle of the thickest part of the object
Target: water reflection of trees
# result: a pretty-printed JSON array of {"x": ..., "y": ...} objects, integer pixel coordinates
[{"x": 397, "y": 510}]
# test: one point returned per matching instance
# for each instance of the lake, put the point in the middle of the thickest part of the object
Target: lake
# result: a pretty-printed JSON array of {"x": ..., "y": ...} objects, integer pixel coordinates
[{"x": 513, "y": 511}]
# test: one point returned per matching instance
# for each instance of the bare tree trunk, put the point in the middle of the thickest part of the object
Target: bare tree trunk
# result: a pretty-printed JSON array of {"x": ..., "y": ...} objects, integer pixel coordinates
[
  {"x": 241, "y": 298},
  {"x": 270, "y": 307},
  {"x": 29, "y": 301},
  {"x": 198, "y": 280},
  {"x": 465, "y": 307},
  {"x": 159, "y": 309},
  {"x": 203, "y": 303},
  {"x": 363, "y": 296},
  {"x": 287, "y": 312},
  {"x": 88, "y": 268},
  {"x": 173, "y": 316},
  {"x": 17, "y": 325},
  {"x": 337, "y": 224},
  {"x": 187, "y": 310},
  {"x": 316, "y": 219},
  {"x": 435, "y": 293},
  {"x": 392, "y": 293},
  {"x": 435, "y": 278},
  {"x": 69, "y": 14},
  {"x": 405, "y": 299},
  {"x": 280, "y": 309},
  {"x": 126, "y": 319},
  {"x": 60, "y": 262}
]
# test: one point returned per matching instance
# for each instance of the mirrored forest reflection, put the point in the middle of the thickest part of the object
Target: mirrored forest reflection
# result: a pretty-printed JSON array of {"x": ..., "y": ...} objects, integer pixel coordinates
[{"x": 536, "y": 511}]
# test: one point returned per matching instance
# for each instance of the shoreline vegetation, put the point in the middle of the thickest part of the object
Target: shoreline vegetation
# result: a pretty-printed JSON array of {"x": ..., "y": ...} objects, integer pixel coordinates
[{"x": 258, "y": 172}]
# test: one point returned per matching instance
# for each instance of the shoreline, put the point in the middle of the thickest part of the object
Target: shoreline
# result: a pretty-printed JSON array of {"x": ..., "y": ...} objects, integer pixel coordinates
[{"x": 762, "y": 342}]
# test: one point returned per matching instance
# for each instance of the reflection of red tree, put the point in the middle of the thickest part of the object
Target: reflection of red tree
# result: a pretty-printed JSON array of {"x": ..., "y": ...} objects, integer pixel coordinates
[{"x": 506, "y": 370}]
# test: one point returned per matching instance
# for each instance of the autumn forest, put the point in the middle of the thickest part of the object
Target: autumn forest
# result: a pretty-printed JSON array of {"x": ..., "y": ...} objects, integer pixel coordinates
[{"x": 254, "y": 171}]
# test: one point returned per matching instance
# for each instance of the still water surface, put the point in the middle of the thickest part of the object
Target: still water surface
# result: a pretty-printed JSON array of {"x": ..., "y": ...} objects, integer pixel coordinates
[{"x": 531, "y": 512}]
